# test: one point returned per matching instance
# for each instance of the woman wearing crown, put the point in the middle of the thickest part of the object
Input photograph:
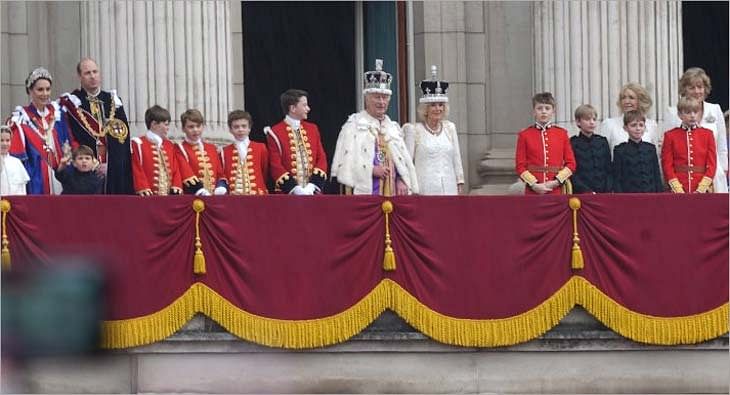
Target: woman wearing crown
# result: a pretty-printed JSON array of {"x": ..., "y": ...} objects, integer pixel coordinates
[
  {"x": 433, "y": 142},
  {"x": 40, "y": 134}
]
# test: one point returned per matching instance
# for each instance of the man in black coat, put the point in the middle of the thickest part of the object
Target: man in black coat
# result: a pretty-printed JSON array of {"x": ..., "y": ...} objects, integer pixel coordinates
[{"x": 98, "y": 120}]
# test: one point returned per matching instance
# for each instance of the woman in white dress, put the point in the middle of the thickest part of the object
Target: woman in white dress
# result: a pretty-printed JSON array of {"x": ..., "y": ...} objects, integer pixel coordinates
[
  {"x": 433, "y": 142},
  {"x": 696, "y": 83},
  {"x": 632, "y": 97}
]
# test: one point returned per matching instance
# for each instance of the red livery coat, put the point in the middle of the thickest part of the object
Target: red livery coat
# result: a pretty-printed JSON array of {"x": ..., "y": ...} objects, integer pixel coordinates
[
  {"x": 544, "y": 155},
  {"x": 296, "y": 158},
  {"x": 688, "y": 156},
  {"x": 154, "y": 170},
  {"x": 203, "y": 165},
  {"x": 246, "y": 177}
]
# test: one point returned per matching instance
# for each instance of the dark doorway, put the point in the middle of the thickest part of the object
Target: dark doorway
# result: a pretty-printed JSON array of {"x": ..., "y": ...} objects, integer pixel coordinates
[
  {"x": 303, "y": 45},
  {"x": 705, "y": 43}
]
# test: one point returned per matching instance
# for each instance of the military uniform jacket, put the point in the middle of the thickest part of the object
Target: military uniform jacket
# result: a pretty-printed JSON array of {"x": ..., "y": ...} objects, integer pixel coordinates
[
  {"x": 119, "y": 166},
  {"x": 355, "y": 153},
  {"x": 154, "y": 170},
  {"x": 593, "y": 164},
  {"x": 296, "y": 157},
  {"x": 688, "y": 156},
  {"x": 543, "y": 155},
  {"x": 247, "y": 176},
  {"x": 636, "y": 168},
  {"x": 198, "y": 164}
]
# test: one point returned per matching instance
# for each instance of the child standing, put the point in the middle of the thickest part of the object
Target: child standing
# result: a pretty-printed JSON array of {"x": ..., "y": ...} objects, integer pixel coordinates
[
  {"x": 544, "y": 158},
  {"x": 199, "y": 160},
  {"x": 689, "y": 153},
  {"x": 635, "y": 163},
  {"x": 592, "y": 154},
  {"x": 245, "y": 162},
  {"x": 155, "y": 170},
  {"x": 13, "y": 176},
  {"x": 81, "y": 178}
]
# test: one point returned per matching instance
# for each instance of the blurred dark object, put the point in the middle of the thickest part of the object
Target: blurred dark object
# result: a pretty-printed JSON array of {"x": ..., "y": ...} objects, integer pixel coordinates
[{"x": 52, "y": 310}]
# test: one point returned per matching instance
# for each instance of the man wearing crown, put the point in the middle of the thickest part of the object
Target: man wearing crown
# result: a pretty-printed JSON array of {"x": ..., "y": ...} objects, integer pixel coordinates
[
  {"x": 297, "y": 160},
  {"x": 371, "y": 157},
  {"x": 98, "y": 120}
]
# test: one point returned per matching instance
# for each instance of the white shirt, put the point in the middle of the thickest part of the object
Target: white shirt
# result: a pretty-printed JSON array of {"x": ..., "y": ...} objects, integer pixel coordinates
[
  {"x": 13, "y": 176},
  {"x": 294, "y": 123},
  {"x": 242, "y": 147},
  {"x": 157, "y": 140}
]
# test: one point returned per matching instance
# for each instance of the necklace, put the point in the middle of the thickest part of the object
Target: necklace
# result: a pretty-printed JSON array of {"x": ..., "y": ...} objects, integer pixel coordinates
[{"x": 433, "y": 132}]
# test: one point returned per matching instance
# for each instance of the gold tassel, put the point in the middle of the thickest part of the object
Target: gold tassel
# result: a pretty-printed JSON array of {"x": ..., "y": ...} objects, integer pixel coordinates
[
  {"x": 576, "y": 261},
  {"x": 5, "y": 258},
  {"x": 389, "y": 257},
  {"x": 199, "y": 259}
]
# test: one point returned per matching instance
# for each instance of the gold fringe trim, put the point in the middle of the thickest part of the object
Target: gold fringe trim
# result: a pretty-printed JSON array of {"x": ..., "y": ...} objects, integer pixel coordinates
[
  {"x": 389, "y": 255},
  {"x": 5, "y": 254},
  {"x": 298, "y": 334},
  {"x": 643, "y": 328},
  {"x": 292, "y": 334},
  {"x": 484, "y": 333}
]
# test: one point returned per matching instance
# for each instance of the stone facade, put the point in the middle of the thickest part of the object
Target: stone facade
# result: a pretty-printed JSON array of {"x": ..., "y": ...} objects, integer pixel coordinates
[{"x": 496, "y": 55}]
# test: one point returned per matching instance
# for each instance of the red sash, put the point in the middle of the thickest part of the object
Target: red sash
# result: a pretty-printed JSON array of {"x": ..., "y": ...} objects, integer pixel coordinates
[{"x": 34, "y": 136}]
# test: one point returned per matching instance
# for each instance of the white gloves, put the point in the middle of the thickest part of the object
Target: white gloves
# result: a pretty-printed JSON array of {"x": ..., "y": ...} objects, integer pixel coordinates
[
  {"x": 202, "y": 192},
  {"x": 309, "y": 189},
  {"x": 220, "y": 191},
  {"x": 297, "y": 190},
  {"x": 541, "y": 188}
]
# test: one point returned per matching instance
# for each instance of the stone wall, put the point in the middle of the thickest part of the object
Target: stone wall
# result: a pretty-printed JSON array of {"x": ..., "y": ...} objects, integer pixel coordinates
[{"x": 577, "y": 356}]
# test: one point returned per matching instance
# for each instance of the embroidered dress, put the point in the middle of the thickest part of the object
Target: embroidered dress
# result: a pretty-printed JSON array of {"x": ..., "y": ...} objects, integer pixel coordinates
[
  {"x": 436, "y": 157},
  {"x": 39, "y": 141}
]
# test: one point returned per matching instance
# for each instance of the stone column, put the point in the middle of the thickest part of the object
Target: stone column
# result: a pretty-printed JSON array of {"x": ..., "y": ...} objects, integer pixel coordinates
[
  {"x": 440, "y": 39},
  {"x": 585, "y": 51},
  {"x": 174, "y": 54},
  {"x": 37, "y": 34},
  {"x": 505, "y": 108}
]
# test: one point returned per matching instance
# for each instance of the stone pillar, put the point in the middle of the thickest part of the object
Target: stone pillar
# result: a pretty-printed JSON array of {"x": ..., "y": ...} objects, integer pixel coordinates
[
  {"x": 440, "y": 39},
  {"x": 235, "y": 48},
  {"x": 174, "y": 54},
  {"x": 585, "y": 51},
  {"x": 37, "y": 34},
  {"x": 582, "y": 52},
  {"x": 508, "y": 61}
]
